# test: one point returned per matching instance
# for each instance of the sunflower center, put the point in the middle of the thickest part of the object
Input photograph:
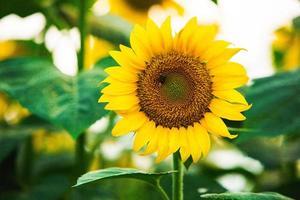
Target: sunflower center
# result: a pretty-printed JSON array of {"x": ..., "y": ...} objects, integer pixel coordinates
[
  {"x": 174, "y": 89},
  {"x": 143, "y": 5}
]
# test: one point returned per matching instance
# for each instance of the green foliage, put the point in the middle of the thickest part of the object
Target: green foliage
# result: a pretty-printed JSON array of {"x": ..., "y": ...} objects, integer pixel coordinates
[
  {"x": 296, "y": 23},
  {"x": 245, "y": 196},
  {"x": 111, "y": 28},
  {"x": 68, "y": 102},
  {"x": 215, "y": 1},
  {"x": 275, "y": 104},
  {"x": 106, "y": 62},
  {"x": 10, "y": 139},
  {"x": 110, "y": 173}
]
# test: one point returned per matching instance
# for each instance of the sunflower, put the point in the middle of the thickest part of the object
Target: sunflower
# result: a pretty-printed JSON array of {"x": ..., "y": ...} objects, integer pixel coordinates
[
  {"x": 136, "y": 11},
  {"x": 286, "y": 48},
  {"x": 173, "y": 91}
]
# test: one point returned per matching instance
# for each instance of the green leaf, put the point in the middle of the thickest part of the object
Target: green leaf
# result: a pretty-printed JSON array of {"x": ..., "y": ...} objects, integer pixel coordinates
[
  {"x": 106, "y": 62},
  {"x": 215, "y": 1},
  {"x": 296, "y": 23},
  {"x": 68, "y": 102},
  {"x": 111, "y": 28},
  {"x": 110, "y": 173},
  {"x": 10, "y": 138},
  {"x": 275, "y": 101},
  {"x": 188, "y": 162},
  {"x": 245, "y": 196}
]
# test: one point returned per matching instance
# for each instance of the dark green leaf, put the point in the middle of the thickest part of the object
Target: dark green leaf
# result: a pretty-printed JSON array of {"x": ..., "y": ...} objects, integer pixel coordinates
[
  {"x": 111, "y": 28},
  {"x": 245, "y": 196},
  {"x": 296, "y": 23},
  {"x": 110, "y": 173},
  {"x": 105, "y": 62},
  {"x": 275, "y": 101},
  {"x": 68, "y": 102},
  {"x": 10, "y": 138},
  {"x": 215, "y": 1},
  {"x": 188, "y": 162}
]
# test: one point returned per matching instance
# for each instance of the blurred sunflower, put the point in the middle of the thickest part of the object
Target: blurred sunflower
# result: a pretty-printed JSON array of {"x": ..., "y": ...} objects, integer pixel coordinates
[
  {"x": 136, "y": 11},
  {"x": 52, "y": 142},
  {"x": 95, "y": 49},
  {"x": 173, "y": 91},
  {"x": 286, "y": 48},
  {"x": 10, "y": 111}
]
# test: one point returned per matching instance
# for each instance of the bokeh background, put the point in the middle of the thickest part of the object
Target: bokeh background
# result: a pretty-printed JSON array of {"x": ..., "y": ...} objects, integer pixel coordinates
[{"x": 38, "y": 157}]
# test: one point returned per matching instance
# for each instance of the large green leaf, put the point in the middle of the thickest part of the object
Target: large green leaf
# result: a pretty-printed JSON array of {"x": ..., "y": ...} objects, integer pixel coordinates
[
  {"x": 68, "y": 102},
  {"x": 245, "y": 196},
  {"x": 115, "y": 172},
  {"x": 10, "y": 138},
  {"x": 275, "y": 100}
]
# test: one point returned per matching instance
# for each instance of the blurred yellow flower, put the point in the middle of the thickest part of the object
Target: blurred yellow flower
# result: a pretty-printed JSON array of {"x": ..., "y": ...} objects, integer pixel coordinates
[
  {"x": 52, "y": 142},
  {"x": 10, "y": 111},
  {"x": 286, "y": 48},
  {"x": 96, "y": 48},
  {"x": 173, "y": 91},
  {"x": 8, "y": 49},
  {"x": 136, "y": 11}
]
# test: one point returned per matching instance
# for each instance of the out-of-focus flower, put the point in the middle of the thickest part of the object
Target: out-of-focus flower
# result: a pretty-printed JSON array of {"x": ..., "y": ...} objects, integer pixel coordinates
[
  {"x": 173, "y": 91},
  {"x": 11, "y": 111},
  {"x": 136, "y": 11},
  {"x": 9, "y": 49},
  {"x": 96, "y": 48},
  {"x": 52, "y": 142},
  {"x": 286, "y": 48}
]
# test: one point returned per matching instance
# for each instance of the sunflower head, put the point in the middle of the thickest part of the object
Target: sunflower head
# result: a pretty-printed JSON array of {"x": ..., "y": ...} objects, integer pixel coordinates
[{"x": 173, "y": 91}]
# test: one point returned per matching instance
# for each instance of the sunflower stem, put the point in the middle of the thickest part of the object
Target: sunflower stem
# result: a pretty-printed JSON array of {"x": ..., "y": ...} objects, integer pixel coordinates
[
  {"x": 80, "y": 157},
  {"x": 177, "y": 192},
  {"x": 162, "y": 191},
  {"x": 82, "y": 30}
]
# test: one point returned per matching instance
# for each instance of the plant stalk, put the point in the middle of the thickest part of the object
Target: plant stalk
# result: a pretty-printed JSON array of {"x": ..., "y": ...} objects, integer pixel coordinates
[
  {"x": 177, "y": 187},
  {"x": 80, "y": 157},
  {"x": 82, "y": 29}
]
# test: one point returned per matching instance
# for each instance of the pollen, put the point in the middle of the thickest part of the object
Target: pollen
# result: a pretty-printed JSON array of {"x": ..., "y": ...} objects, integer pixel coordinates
[{"x": 174, "y": 90}]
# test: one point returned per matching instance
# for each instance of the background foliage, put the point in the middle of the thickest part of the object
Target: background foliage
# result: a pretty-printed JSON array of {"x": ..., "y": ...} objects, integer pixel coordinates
[{"x": 43, "y": 111}]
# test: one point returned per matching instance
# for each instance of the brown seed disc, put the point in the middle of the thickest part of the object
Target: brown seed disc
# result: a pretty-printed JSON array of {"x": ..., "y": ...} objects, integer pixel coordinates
[{"x": 174, "y": 89}]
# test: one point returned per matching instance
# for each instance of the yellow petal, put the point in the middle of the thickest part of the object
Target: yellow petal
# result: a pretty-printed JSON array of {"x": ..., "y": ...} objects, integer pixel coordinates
[
  {"x": 121, "y": 74},
  {"x": 224, "y": 57},
  {"x": 153, "y": 143},
  {"x": 215, "y": 125},
  {"x": 193, "y": 144},
  {"x": 174, "y": 140},
  {"x": 229, "y": 69},
  {"x": 184, "y": 149},
  {"x": 215, "y": 49},
  {"x": 186, "y": 33},
  {"x": 131, "y": 122},
  {"x": 163, "y": 144},
  {"x": 229, "y": 82},
  {"x": 119, "y": 88},
  {"x": 166, "y": 33},
  {"x": 184, "y": 153},
  {"x": 135, "y": 61},
  {"x": 154, "y": 36},
  {"x": 203, "y": 37},
  {"x": 122, "y": 102},
  {"x": 232, "y": 96},
  {"x": 225, "y": 110},
  {"x": 202, "y": 138},
  {"x": 140, "y": 44},
  {"x": 143, "y": 135}
]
